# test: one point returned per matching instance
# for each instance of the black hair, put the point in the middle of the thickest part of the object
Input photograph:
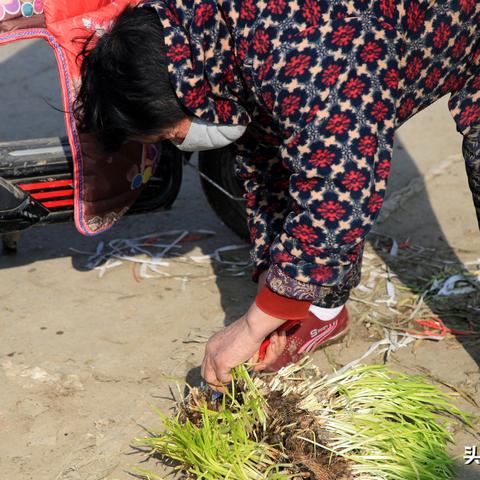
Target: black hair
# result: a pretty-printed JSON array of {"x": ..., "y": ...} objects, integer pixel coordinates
[{"x": 125, "y": 88}]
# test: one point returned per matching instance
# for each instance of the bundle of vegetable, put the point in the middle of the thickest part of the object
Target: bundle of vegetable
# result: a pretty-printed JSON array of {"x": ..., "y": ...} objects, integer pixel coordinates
[{"x": 369, "y": 423}]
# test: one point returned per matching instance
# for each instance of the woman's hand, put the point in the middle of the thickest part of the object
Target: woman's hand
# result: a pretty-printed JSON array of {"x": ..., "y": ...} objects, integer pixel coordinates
[{"x": 238, "y": 343}]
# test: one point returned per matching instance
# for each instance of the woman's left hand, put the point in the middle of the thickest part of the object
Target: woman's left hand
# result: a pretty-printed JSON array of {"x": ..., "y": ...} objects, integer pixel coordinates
[{"x": 238, "y": 343}]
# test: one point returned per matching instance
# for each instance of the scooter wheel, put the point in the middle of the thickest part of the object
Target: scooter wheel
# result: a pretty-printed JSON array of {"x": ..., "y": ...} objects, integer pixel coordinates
[
  {"x": 10, "y": 242},
  {"x": 219, "y": 167}
]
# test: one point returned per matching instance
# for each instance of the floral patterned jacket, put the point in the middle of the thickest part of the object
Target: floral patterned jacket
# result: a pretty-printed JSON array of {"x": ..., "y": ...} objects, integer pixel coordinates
[{"x": 322, "y": 85}]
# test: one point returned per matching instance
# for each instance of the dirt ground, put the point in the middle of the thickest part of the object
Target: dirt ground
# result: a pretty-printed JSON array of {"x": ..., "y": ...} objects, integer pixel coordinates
[{"x": 83, "y": 358}]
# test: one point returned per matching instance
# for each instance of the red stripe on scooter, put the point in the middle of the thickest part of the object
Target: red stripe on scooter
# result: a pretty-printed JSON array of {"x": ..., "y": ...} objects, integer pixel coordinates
[
  {"x": 58, "y": 203},
  {"x": 41, "y": 185},
  {"x": 54, "y": 194}
]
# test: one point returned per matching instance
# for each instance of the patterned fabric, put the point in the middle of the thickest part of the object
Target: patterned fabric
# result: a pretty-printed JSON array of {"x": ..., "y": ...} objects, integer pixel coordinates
[
  {"x": 336, "y": 296},
  {"x": 202, "y": 63},
  {"x": 324, "y": 85}
]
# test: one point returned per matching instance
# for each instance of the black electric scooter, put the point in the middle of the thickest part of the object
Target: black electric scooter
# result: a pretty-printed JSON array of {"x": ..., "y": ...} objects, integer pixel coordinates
[{"x": 36, "y": 186}]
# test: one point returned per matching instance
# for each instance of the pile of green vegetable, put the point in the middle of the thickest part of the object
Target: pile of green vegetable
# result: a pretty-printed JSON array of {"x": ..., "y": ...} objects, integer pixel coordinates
[{"x": 369, "y": 423}]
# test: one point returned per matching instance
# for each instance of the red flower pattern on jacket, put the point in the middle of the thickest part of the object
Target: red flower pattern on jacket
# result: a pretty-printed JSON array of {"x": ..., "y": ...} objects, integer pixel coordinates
[
  {"x": 242, "y": 49},
  {"x": 467, "y": 5},
  {"x": 305, "y": 185},
  {"x": 290, "y": 105},
  {"x": 268, "y": 100},
  {"x": 295, "y": 140},
  {"x": 265, "y": 68},
  {"x": 392, "y": 77},
  {"x": 353, "y": 235},
  {"x": 297, "y": 65},
  {"x": 415, "y": 16},
  {"x": 304, "y": 233},
  {"x": 414, "y": 67},
  {"x": 282, "y": 257},
  {"x": 311, "y": 250},
  {"x": 383, "y": 169},
  {"x": 203, "y": 14},
  {"x": 331, "y": 210},
  {"x": 379, "y": 111},
  {"x": 476, "y": 82},
  {"x": 387, "y": 7},
  {"x": 441, "y": 35},
  {"x": 470, "y": 115},
  {"x": 248, "y": 10},
  {"x": 375, "y": 203},
  {"x": 354, "y": 180},
  {"x": 354, "y": 87},
  {"x": 406, "y": 108},
  {"x": 224, "y": 110},
  {"x": 433, "y": 77},
  {"x": 452, "y": 82},
  {"x": 344, "y": 35},
  {"x": 173, "y": 16},
  {"x": 322, "y": 273},
  {"x": 313, "y": 112},
  {"x": 261, "y": 42},
  {"x": 322, "y": 158},
  {"x": 331, "y": 73},
  {"x": 311, "y": 12},
  {"x": 339, "y": 123},
  {"x": 367, "y": 145},
  {"x": 371, "y": 52},
  {"x": 276, "y": 6},
  {"x": 228, "y": 76},
  {"x": 250, "y": 199},
  {"x": 178, "y": 52},
  {"x": 460, "y": 46},
  {"x": 195, "y": 97}
]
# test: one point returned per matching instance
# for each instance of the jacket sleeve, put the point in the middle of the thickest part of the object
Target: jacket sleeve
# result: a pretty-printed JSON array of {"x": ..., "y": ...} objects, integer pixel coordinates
[
  {"x": 336, "y": 95},
  {"x": 265, "y": 182}
]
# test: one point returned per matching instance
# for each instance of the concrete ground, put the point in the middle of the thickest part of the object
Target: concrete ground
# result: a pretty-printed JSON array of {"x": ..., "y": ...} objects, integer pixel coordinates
[{"x": 82, "y": 358}]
